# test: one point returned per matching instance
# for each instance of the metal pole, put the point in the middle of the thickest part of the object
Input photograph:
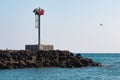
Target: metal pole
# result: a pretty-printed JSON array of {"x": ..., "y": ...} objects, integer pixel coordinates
[{"x": 39, "y": 31}]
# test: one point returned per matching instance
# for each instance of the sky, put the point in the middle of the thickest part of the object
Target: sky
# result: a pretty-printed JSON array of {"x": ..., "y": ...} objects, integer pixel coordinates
[{"x": 72, "y": 25}]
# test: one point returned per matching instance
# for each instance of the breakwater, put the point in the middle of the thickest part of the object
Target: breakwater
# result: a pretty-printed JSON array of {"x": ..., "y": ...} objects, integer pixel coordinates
[{"x": 15, "y": 59}]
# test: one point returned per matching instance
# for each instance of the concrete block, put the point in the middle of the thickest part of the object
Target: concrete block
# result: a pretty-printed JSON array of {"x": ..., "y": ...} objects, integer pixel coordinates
[{"x": 36, "y": 47}]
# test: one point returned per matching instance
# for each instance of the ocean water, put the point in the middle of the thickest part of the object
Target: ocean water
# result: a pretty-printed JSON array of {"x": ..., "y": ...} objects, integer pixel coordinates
[{"x": 109, "y": 71}]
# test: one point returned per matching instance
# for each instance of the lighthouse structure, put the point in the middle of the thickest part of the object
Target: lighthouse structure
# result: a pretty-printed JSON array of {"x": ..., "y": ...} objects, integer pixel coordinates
[{"x": 38, "y": 13}]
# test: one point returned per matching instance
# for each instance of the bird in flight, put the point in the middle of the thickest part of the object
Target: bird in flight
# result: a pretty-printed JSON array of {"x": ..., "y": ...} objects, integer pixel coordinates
[{"x": 101, "y": 24}]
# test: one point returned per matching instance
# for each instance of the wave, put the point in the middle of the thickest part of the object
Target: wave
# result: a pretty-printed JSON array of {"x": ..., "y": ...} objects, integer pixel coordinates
[
  {"x": 117, "y": 62},
  {"x": 108, "y": 65}
]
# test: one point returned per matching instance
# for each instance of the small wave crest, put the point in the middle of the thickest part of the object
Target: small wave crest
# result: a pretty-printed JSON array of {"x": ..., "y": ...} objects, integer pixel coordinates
[
  {"x": 117, "y": 62},
  {"x": 107, "y": 65}
]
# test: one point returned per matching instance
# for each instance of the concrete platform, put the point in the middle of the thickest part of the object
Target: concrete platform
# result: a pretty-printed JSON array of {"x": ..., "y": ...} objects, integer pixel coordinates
[{"x": 36, "y": 47}]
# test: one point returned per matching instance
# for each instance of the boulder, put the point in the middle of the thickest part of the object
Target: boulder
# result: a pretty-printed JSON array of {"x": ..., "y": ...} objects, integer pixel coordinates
[
  {"x": 79, "y": 56},
  {"x": 3, "y": 66}
]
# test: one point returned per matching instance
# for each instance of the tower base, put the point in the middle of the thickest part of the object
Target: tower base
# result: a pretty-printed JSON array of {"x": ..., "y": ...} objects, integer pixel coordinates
[{"x": 36, "y": 47}]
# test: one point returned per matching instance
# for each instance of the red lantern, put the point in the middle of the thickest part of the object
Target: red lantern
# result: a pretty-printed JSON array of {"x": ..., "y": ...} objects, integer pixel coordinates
[{"x": 41, "y": 12}]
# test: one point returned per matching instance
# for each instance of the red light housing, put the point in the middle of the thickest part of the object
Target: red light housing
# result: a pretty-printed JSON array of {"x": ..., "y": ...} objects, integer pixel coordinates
[{"x": 41, "y": 12}]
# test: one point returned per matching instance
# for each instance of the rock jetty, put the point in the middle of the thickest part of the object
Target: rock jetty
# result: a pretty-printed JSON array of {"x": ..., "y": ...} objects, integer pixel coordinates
[{"x": 15, "y": 59}]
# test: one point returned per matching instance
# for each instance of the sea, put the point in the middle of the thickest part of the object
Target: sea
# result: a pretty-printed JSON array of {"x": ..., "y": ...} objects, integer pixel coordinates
[{"x": 109, "y": 71}]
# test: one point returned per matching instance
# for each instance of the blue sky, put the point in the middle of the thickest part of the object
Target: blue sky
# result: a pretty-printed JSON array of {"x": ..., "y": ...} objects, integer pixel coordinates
[{"x": 67, "y": 24}]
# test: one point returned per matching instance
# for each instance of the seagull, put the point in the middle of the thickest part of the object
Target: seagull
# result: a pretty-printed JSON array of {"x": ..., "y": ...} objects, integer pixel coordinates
[{"x": 101, "y": 24}]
